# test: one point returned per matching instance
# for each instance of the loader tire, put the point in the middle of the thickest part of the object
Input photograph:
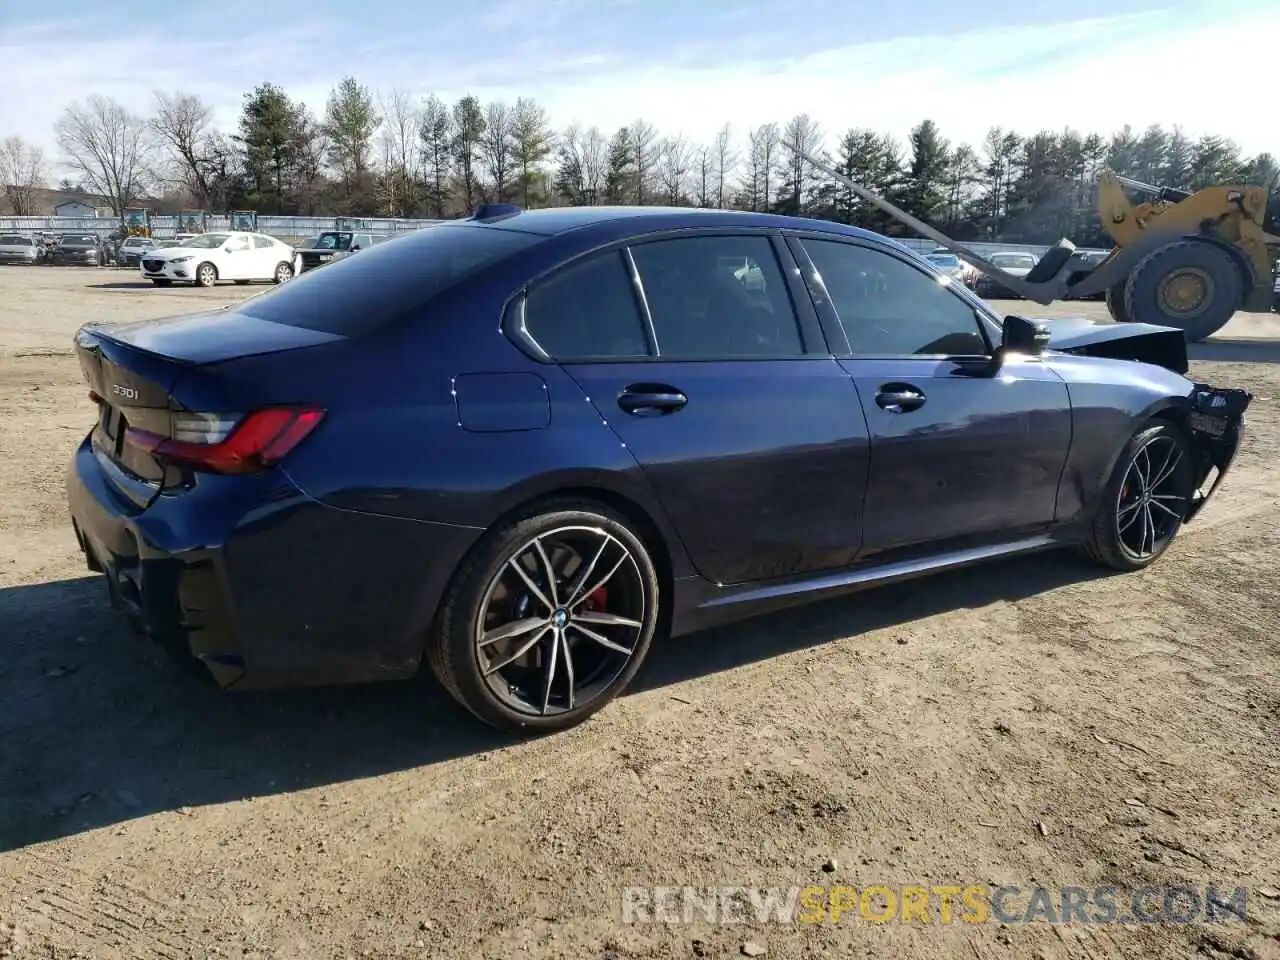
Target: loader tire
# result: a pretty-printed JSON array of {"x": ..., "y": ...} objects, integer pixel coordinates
[
  {"x": 1115, "y": 303},
  {"x": 1193, "y": 285}
]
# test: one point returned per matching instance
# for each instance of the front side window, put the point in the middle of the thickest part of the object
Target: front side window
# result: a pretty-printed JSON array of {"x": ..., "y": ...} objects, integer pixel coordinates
[
  {"x": 718, "y": 297},
  {"x": 238, "y": 243},
  {"x": 588, "y": 310},
  {"x": 206, "y": 241},
  {"x": 261, "y": 243},
  {"x": 888, "y": 307}
]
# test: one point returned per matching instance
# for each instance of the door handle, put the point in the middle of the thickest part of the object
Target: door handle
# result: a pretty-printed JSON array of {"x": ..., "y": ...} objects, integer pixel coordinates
[
  {"x": 899, "y": 398},
  {"x": 651, "y": 399}
]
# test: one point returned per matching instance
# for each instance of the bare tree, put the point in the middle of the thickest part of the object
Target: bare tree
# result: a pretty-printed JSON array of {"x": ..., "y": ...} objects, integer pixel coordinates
[
  {"x": 726, "y": 161},
  {"x": 803, "y": 136},
  {"x": 673, "y": 169},
  {"x": 183, "y": 128},
  {"x": 595, "y": 163},
  {"x": 704, "y": 171},
  {"x": 643, "y": 138},
  {"x": 22, "y": 171},
  {"x": 399, "y": 151},
  {"x": 498, "y": 147},
  {"x": 107, "y": 146},
  {"x": 757, "y": 186},
  {"x": 569, "y": 179},
  {"x": 436, "y": 136}
]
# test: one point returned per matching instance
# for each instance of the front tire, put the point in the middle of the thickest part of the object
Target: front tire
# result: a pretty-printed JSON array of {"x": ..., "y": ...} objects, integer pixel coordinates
[
  {"x": 206, "y": 275},
  {"x": 1145, "y": 502},
  {"x": 548, "y": 619},
  {"x": 1193, "y": 285}
]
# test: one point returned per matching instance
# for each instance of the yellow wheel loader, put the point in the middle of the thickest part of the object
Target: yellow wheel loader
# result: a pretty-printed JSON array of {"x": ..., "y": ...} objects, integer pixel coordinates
[{"x": 1184, "y": 260}]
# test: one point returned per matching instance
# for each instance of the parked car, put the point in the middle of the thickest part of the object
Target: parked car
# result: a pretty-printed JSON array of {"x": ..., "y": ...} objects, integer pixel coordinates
[
  {"x": 333, "y": 245},
  {"x": 1015, "y": 263},
  {"x": 132, "y": 249},
  {"x": 949, "y": 265},
  {"x": 15, "y": 248},
  {"x": 79, "y": 250},
  {"x": 518, "y": 447},
  {"x": 206, "y": 258}
]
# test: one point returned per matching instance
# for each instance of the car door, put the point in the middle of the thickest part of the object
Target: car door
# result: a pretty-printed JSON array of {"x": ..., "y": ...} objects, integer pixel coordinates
[
  {"x": 266, "y": 256},
  {"x": 746, "y": 428},
  {"x": 236, "y": 259},
  {"x": 960, "y": 449}
]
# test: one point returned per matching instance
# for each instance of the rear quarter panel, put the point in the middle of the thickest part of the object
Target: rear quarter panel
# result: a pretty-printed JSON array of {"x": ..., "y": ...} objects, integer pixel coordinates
[{"x": 1110, "y": 399}]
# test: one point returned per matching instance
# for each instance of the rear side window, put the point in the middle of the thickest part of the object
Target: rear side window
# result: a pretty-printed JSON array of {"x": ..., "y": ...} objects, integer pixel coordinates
[
  {"x": 587, "y": 310},
  {"x": 718, "y": 297},
  {"x": 357, "y": 295}
]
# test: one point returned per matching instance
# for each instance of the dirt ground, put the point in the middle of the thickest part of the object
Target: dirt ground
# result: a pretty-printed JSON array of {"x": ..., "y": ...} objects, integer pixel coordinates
[{"x": 1029, "y": 723}]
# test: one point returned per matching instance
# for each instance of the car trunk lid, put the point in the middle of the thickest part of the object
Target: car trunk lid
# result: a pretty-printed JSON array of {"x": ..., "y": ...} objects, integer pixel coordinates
[{"x": 151, "y": 382}]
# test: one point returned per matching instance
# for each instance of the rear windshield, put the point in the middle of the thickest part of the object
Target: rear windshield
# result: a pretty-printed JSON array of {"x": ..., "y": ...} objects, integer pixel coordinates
[
  {"x": 77, "y": 240},
  {"x": 356, "y": 295},
  {"x": 943, "y": 260}
]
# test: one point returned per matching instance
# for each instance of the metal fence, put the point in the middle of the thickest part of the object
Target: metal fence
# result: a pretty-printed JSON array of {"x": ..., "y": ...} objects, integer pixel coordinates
[
  {"x": 166, "y": 227},
  {"x": 299, "y": 228}
]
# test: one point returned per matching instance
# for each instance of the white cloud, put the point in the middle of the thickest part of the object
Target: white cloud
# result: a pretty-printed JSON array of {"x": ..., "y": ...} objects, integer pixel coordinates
[{"x": 1094, "y": 75}]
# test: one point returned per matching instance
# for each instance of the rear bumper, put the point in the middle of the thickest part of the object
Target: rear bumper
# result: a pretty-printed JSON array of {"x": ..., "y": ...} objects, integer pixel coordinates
[{"x": 262, "y": 585}]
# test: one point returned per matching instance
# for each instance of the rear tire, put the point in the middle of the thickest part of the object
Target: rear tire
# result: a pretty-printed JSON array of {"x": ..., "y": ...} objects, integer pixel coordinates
[
  {"x": 1144, "y": 502},
  {"x": 1114, "y": 296},
  {"x": 283, "y": 274},
  {"x": 550, "y": 670},
  {"x": 1193, "y": 285}
]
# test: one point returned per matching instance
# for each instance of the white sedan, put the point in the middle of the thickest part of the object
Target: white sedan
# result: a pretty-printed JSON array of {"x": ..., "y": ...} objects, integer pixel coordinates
[{"x": 226, "y": 255}]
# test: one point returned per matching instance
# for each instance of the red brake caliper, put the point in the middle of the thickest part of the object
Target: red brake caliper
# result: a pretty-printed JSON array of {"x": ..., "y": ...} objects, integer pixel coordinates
[{"x": 596, "y": 599}]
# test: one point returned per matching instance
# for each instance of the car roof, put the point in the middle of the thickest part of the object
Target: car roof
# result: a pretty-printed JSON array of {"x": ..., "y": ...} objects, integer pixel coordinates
[
  {"x": 610, "y": 224},
  {"x": 557, "y": 220}
]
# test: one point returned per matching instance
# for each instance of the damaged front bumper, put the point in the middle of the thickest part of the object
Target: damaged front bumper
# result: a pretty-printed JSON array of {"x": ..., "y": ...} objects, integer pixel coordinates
[{"x": 1215, "y": 420}]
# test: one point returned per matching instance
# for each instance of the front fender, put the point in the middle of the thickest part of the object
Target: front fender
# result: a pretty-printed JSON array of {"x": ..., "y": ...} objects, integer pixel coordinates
[
  {"x": 1214, "y": 418},
  {"x": 1111, "y": 399}
]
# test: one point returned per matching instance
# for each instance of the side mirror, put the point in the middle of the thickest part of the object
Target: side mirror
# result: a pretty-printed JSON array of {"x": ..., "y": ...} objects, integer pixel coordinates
[{"x": 1024, "y": 336}]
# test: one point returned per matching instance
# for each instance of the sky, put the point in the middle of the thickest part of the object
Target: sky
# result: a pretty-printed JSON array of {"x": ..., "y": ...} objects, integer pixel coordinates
[{"x": 686, "y": 66}]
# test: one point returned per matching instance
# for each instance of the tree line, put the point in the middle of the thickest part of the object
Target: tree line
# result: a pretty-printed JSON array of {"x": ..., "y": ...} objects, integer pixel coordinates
[{"x": 401, "y": 155}]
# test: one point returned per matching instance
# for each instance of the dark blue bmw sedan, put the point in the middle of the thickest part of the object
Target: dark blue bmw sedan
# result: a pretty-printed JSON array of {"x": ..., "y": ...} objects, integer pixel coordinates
[{"x": 522, "y": 445}]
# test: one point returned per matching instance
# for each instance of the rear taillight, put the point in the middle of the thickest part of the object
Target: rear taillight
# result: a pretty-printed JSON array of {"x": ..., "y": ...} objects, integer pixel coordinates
[{"x": 228, "y": 443}]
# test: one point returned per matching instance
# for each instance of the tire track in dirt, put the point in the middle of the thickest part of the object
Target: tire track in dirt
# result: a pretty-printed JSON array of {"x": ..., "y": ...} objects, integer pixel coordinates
[{"x": 64, "y": 904}]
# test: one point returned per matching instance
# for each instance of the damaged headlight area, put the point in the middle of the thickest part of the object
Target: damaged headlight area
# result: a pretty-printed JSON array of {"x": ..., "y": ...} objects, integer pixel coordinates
[{"x": 1215, "y": 420}]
